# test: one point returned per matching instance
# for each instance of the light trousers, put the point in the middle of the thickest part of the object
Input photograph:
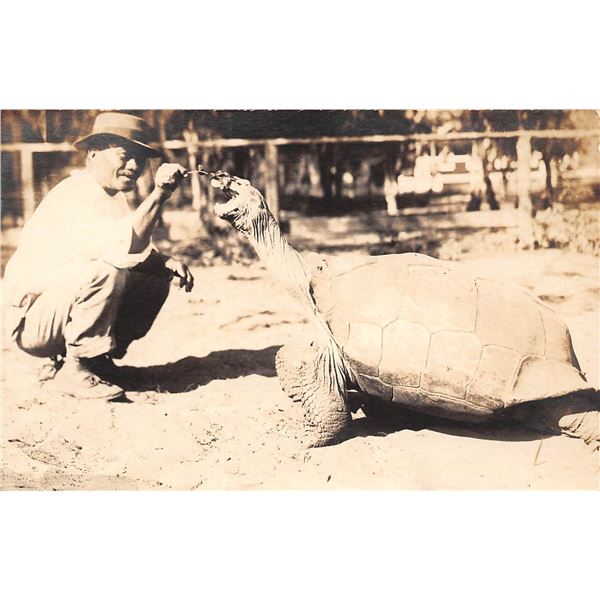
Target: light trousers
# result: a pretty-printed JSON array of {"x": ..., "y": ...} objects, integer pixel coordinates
[{"x": 93, "y": 309}]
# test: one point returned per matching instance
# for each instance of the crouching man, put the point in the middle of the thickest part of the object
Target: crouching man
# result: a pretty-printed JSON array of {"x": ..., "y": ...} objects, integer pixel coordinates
[{"x": 86, "y": 279}]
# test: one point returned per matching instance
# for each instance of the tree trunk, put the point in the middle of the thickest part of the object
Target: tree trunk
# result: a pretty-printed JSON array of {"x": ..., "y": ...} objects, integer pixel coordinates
[
  {"x": 27, "y": 183},
  {"x": 207, "y": 199},
  {"x": 272, "y": 179},
  {"x": 548, "y": 201},
  {"x": 337, "y": 176},
  {"x": 477, "y": 184},
  {"x": 526, "y": 234},
  {"x": 390, "y": 181},
  {"x": 315, "y": 185},
  {"x": 324, "y": 158}
]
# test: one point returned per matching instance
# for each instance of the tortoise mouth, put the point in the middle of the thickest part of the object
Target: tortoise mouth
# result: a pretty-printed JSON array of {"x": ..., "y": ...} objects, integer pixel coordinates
[{"x": 225, "y": 209}]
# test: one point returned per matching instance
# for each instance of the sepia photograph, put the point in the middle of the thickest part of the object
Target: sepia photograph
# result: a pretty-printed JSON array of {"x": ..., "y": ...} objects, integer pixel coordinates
[{"x": 300, "y": 299}]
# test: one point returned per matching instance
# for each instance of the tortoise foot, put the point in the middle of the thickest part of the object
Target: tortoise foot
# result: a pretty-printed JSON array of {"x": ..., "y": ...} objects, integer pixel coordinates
[
  {"x": 577, "y": 415},
  {"x": 326, "y": 414}
]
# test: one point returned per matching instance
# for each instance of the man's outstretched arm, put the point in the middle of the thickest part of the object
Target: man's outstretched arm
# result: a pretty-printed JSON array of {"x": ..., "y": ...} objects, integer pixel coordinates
[{"x": 146, "y": 215}]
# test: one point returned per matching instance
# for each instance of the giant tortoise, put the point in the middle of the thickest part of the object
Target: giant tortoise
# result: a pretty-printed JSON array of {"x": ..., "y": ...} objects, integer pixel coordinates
[{"x": 415, "y": 332}]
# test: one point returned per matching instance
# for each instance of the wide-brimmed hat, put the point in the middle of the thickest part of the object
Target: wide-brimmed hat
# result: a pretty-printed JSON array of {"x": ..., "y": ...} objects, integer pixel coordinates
[{"x": 120, "y": 125}]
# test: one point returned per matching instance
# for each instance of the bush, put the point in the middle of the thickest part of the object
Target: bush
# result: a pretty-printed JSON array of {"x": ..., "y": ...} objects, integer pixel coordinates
[
  {"x": 577, "y": 229},
  {"x": 223, "y": 247},
  {"x": 572, "y": 222}
]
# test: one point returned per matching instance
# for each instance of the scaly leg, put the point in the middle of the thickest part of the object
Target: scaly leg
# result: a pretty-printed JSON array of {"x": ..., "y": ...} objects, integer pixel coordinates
[
  {"x": 326, "y": 413},
  {"x": 576, "y": 416}
]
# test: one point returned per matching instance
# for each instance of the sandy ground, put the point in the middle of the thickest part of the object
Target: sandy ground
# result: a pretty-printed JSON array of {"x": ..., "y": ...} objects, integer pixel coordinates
[{"x": 205, "y": 410}]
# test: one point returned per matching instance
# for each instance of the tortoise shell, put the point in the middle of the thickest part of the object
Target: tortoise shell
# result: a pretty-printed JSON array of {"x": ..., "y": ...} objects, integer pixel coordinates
[{"x": 428, "y": 335}]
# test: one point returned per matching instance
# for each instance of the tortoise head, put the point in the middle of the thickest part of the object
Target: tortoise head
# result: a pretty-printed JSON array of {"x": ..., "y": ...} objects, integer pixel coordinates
[{"x": 243, "y": 204}]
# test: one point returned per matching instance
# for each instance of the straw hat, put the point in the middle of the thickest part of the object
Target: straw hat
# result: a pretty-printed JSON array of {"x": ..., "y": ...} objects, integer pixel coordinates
[{"x": 120, "y": 125}]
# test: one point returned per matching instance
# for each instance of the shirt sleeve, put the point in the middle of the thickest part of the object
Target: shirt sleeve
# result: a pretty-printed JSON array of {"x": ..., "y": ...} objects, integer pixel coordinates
[{"x": 115, "y": 249}]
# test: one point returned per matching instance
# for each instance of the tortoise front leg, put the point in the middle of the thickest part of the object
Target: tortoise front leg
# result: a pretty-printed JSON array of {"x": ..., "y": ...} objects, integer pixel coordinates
[
  {"x": 290, "y": 362},
  {"x": 576, "y": 415},
  {"x": 326, "y": 414}
]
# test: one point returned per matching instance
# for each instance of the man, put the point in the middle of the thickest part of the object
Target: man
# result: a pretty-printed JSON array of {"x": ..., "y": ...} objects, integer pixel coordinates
[{"x": 86, "y": 279}]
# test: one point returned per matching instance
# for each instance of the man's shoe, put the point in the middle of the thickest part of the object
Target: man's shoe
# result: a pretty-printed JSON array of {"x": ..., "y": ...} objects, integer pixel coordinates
[
  {"x": 76, "y": 379},
  {"x": 103, "y": 366},
  {"x": 50, "y": 368}
]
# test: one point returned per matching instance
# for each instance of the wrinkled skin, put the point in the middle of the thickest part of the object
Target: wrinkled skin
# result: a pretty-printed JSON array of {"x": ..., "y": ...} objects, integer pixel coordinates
[{"x": 326, "y": 414}]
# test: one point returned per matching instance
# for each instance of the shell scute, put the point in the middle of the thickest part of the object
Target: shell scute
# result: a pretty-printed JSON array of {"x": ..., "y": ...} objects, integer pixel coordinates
[
  {"x": 540, "y": 377},
  {"x": 494, "y": 376},
  {"x": 440, "y": 405},
  {"x": 452, "y": 363},
  {"x": 363, "y": 348},
  {"x": 508, "y": 317},
  {"x": 371, "y": 293},
  {"x": 558, "y": 339},
  {"x": 375, "y": 386},
  {"x": 404, "y": 353},
  {"x": 440, "y": 298}
]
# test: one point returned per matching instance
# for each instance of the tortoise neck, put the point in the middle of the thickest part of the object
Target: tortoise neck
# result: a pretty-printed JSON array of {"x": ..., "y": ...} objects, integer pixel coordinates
[
  {"x": 278, "y": 256},
  {"x": 289, "y": 267}
]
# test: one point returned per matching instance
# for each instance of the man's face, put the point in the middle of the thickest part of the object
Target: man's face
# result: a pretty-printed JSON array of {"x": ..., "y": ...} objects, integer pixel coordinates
[{"x": 118, "y": 166}]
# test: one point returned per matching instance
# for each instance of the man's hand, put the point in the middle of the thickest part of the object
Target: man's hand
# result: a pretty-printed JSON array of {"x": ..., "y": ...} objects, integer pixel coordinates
[
  {"x": 168, "y": 176},
  {"x": 181, "y": 270}
]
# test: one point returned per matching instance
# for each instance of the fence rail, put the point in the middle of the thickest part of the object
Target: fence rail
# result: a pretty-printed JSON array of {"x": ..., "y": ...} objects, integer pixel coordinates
[
  {"x": 192, "y": 145},
  {"x": 348, "y": 139},
  {"x": 377, "y": 139}
]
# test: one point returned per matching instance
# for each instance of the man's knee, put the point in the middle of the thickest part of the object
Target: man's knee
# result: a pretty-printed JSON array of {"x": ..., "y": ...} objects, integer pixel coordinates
[
  {"x": 102, "y": 274},
  {"x": 94, "y": 289}
]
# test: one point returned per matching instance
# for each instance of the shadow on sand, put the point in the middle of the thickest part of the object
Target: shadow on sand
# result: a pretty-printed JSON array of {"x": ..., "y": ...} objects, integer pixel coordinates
[
  {"x": 192, "y": 372},
  {"x": 501, "y": 430},
  {"x": 509, "y": 426}
]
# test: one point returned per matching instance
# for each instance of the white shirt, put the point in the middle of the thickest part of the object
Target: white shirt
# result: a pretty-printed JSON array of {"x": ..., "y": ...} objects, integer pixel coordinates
[{"x": 77, "y": 221}]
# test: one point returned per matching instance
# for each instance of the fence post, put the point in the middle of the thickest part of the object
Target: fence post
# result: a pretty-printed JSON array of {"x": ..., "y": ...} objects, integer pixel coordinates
[
  {"x": 526, "y": 237},
  {"x": 191, "y": 138},
  {"x": 271, "y": 179},
  {"x": 390, "y": 187},
  {"x": 195, "y": 182},
  {"x": 26, "y": 157},
  {"x": 206, "y": 197}
]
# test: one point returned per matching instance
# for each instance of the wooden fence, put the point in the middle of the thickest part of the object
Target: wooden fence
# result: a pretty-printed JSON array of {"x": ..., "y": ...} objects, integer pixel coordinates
[{"x": 194, "y": 146}]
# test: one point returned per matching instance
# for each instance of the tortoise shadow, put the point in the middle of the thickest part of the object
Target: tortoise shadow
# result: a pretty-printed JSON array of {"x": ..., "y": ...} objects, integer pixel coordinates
[
  {"x": 508, "y": 426},
  {"x": 192, "y": 372},
  {"x": 501, "y": 430}
]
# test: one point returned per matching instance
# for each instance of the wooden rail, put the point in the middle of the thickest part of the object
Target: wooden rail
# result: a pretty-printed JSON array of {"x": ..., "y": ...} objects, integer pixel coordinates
[
  {"x": 522, "y": 137},
  {"x": 193, "y": 145},
  {"x": 348, "y": 139},
  {"x": 37, "y": 147},
  {"x": 377, "y": 139}
]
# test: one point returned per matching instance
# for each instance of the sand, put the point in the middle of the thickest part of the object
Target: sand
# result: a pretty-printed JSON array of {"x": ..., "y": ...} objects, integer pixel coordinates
[{"x": 205, "y": 410}]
